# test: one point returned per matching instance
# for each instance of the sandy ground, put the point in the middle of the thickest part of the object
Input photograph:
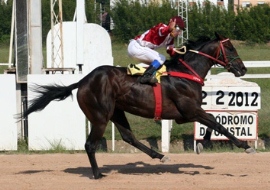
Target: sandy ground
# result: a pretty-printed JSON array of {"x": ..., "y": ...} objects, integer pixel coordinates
[{"x": 136, "y": 171}]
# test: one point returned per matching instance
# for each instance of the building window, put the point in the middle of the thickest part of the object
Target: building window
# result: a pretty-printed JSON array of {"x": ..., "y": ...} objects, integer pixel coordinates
[
  {"x": 261, "y": 2},
  {"x": 220, "y": 2},
  {"x": 245, "y": 4},
  {"x": 173, "y": 3}
]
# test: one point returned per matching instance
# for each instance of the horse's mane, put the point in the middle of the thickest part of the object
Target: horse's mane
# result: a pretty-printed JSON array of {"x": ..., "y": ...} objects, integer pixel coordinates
[{"x": 201, "y": 41}]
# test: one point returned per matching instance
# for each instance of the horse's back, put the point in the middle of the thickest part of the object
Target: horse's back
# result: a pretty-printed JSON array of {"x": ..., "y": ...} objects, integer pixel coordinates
[{"x": 107, "y": 79}]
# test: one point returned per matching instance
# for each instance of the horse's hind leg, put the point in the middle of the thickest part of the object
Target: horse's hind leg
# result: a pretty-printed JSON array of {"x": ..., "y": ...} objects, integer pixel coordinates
[
  {"x": 91, "y": 145},
  {"x": 206, "y": 139},
  {"x": 99, "y": 123},
  {"x": 120, "y": 121}
]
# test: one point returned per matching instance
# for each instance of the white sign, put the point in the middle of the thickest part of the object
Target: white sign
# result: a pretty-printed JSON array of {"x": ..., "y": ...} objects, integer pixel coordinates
[
  {"x": 231, "y": 98},
  {"x": 8, "y": 126},
  {"x": 242, "y": 125},
  {"x": 61, "y": 123}
]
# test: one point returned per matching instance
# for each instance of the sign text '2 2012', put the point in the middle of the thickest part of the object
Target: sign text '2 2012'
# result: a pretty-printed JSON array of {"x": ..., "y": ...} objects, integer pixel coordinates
[{"x": 231, "y": 98}]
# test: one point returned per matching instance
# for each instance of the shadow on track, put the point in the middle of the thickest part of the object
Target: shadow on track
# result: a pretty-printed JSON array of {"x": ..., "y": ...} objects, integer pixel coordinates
[{"x": 141, "y": 168}]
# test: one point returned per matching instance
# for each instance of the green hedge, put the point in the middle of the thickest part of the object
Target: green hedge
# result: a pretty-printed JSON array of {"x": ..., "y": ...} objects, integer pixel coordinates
[
  {"x": 253, "y": 24},
  {"x": 132, "y": 18}
]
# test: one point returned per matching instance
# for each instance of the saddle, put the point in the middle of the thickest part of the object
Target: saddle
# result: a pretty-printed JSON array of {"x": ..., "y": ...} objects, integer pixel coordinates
[{"x": 138, "y": 69}]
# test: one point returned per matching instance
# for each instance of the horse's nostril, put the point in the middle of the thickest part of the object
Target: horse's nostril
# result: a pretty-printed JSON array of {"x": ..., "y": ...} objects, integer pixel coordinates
[{"x": 244, "y": 70}]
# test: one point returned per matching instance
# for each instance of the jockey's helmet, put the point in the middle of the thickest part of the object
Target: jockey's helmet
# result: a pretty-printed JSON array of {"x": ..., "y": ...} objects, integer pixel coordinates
[{"x": 179, "y": 22}]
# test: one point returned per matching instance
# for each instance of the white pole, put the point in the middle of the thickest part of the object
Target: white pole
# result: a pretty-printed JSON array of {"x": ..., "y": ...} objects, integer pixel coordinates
[
  {"x": 166, "y": 126},
  {"x": 80, "y": 11},
  {"x": 52, "y": 32},
  {"x": 11, "y": 35},
  {"x": 113, "y": 137},
  {"x": 35, "y": 37}
]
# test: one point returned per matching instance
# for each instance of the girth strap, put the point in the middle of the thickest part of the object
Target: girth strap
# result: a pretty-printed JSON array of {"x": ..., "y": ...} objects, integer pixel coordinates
[{"x": 158, "y": 98}]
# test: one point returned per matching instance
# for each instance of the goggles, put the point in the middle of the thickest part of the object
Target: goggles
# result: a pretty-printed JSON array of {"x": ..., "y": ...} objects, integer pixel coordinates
[{"x": 177, "y": 28}]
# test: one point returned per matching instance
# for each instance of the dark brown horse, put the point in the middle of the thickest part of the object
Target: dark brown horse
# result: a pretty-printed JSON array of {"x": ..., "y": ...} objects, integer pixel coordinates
[{"x": 108, "y": 92}]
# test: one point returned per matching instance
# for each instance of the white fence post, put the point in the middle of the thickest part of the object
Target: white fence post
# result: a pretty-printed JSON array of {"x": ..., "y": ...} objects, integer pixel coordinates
[{"x": 166, "y": 134}]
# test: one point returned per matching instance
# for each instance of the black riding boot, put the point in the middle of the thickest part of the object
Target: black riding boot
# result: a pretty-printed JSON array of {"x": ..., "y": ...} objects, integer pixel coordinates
[{"x": 148, "y": 76}]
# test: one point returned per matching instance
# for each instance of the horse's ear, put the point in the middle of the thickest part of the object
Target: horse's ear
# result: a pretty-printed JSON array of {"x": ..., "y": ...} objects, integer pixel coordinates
[{"x": 219, "y": 37}]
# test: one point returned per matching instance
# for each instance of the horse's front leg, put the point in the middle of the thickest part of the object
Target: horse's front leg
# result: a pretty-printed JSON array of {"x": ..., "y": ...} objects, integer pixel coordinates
[{"x": 209, "y": 121}]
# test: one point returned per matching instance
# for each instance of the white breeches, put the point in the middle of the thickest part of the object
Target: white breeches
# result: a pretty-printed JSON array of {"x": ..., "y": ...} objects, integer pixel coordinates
[{"x": 144, "y": 54}]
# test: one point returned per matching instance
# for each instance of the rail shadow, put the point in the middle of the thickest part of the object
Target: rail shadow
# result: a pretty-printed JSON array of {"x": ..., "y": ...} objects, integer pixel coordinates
[{"x": 33, "y": 171}]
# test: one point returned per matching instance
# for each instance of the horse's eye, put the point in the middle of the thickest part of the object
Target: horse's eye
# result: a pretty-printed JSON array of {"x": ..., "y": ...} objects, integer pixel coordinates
[{"x": 231, "y": 48}]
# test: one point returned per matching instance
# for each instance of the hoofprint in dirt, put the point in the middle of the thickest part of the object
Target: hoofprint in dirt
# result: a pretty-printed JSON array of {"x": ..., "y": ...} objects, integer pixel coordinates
[{"x": 136, "y": 171}]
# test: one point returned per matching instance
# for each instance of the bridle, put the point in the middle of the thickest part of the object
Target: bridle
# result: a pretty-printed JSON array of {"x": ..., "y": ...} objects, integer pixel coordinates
[
  {"x": 195, "y": 77},
  {"x": 226, "y": 62}
]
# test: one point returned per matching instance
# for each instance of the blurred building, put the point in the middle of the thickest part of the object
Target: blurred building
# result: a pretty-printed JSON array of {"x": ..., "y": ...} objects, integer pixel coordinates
[
  {"x": 225, "y": 3},
  {"x": 249, "y": 3}
]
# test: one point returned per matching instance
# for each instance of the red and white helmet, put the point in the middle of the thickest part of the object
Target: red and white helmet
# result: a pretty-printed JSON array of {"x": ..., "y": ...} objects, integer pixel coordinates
[{"x": 179, "y": 22}]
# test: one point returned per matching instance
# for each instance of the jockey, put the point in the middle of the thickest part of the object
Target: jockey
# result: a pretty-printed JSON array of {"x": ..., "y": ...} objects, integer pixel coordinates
[{"x": 143, "y": 46}]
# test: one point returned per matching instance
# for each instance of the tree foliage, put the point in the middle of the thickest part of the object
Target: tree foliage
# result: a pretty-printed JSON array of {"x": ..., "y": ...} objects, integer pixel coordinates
[
  {"x": 132, "y": 17},
  {"x": 253, "y": 24},
  {"x": 250, "y": 24},
  {"x": 5, "y": 20}
]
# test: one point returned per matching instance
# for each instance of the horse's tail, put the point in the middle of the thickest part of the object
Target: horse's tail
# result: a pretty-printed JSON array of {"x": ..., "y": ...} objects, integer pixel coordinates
[{"x": 48, "y": 93}]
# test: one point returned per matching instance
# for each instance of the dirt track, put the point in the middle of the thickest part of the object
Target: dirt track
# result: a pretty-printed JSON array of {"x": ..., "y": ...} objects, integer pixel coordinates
[{"x": 136, "y": 171}]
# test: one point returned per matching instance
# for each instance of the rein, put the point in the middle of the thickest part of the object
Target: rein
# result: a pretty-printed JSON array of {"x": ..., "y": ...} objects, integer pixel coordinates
[{"x": 195, "y": 77}]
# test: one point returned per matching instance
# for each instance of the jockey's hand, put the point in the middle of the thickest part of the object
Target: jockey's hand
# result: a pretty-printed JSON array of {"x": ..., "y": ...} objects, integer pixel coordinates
[
  {"x": 170, "y": 51},
  {"x": 172, "y": 24}
]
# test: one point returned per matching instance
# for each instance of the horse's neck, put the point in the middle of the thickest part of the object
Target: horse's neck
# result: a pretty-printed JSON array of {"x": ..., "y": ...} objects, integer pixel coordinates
[
  {"x": 198, "y": 63},
  {"x": 202, "y": 64}
]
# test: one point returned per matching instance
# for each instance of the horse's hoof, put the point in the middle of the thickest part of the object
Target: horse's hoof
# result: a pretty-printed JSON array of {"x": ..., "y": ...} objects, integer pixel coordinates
[
  {"x": 165, "y": 159},
  {"x": 250, "y": 151},
  {"x": 99, "y": 176},
  {"x": 199, "y": 148}
]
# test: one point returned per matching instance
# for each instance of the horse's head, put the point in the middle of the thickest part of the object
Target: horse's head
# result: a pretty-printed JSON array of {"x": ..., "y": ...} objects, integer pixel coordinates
[
  {"x": 229, "y": 58},
  {"x": 218, "y": 51}
]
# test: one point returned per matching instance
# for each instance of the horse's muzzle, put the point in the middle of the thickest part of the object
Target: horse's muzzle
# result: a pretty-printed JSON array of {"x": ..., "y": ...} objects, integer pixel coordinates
[{"x": 237, "y": 72}]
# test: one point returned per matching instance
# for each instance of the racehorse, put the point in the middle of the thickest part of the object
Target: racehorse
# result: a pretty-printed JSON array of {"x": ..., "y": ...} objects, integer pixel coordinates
[{"x": 107, "y": 92}]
